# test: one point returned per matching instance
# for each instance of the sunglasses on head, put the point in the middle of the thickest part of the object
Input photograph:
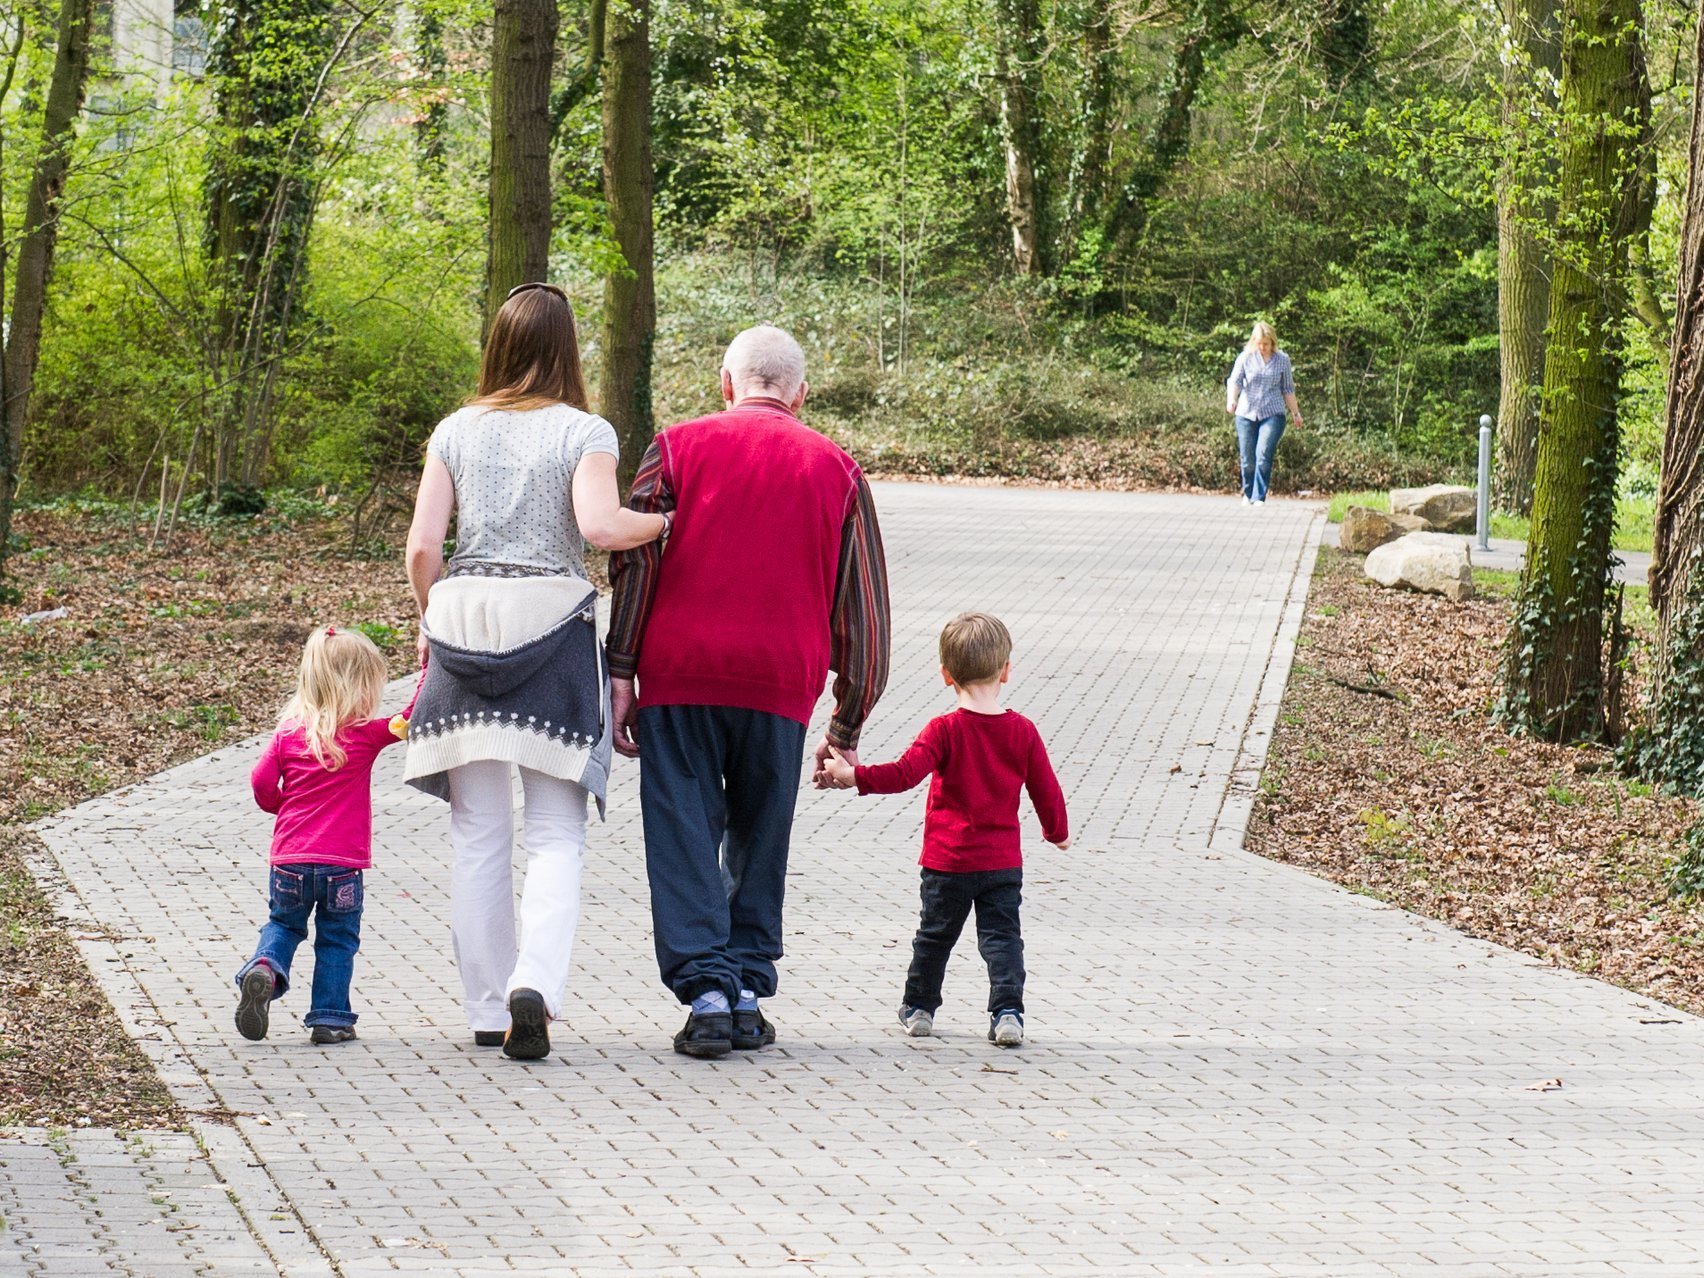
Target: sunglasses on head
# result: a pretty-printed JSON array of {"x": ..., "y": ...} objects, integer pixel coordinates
[{"x": 548, "y": 288}]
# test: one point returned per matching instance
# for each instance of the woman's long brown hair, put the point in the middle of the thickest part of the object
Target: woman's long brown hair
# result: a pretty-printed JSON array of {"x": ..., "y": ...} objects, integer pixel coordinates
[{"x": 532, "y": 354}]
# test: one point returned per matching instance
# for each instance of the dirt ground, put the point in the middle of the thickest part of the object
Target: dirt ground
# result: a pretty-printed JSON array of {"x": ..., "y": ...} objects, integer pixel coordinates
[{"x": 1387, "y": 775}]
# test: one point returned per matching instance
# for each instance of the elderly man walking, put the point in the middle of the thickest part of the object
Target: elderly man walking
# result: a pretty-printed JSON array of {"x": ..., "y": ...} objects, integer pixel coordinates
[{"x": 772, "y": 575}]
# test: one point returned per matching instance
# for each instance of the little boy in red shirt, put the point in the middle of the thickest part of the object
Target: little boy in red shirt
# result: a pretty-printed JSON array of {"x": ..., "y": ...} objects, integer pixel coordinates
[{"x": 980, "y": 756}]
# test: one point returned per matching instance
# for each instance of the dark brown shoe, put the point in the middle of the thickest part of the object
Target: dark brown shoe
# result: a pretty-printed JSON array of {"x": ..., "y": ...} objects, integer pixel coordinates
[
  {"x": 489, "y": 1038},
  {"x": 706, "y": 1035},
  {"x": 529, "y": 1027},
  {"x": 752, "y": 1030}
]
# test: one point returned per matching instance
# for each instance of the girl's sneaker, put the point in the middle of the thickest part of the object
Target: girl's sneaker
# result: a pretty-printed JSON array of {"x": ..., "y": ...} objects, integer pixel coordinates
[
  {"x": 917, "y": 1022},
  {"x": 1007, "y": 1029},
  {"x": 254, "y": 1003}
]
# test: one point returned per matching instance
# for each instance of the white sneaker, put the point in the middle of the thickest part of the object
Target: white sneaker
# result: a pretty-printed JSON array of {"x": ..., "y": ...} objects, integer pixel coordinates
[
  {"x": 1007, "y": 1030},
  {"x": 917, "y": 1022},
  {"x": 1247, "y": 502},
  {"x": 1258, "y": 505}
]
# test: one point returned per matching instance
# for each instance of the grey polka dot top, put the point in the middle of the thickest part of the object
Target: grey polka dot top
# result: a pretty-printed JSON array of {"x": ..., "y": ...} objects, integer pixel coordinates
[{"x": 513, "y": 474}]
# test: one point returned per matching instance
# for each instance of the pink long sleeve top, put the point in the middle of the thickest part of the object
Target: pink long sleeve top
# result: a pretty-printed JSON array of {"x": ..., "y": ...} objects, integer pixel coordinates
[{"x": 325, "y": 817}]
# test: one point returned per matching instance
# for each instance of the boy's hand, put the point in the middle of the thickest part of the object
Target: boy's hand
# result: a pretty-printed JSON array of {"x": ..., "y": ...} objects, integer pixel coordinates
[{"x": 839, "y": 774}]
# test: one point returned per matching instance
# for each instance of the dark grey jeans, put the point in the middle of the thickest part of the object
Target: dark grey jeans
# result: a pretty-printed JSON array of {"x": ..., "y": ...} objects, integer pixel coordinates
[{"x": 948, "y": 899}]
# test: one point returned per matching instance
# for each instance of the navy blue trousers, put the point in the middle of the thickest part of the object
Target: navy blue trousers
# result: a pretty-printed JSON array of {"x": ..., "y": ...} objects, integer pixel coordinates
[{"x": 717, "y": 785}]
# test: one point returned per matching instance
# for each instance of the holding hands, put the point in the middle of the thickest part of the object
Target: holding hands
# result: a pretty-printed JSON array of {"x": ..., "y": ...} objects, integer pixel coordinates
[{"x": 837, "y": 772}]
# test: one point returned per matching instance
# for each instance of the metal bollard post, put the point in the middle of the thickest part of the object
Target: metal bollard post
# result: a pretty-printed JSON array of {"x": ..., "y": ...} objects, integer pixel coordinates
[{"x": 1482, "y": 514}]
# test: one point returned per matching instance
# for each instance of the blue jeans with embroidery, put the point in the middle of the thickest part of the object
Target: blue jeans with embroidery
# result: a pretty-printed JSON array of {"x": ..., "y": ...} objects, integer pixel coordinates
[
  {"x": 332, "y": 895},
  {"x": 1257, "y": 442}
]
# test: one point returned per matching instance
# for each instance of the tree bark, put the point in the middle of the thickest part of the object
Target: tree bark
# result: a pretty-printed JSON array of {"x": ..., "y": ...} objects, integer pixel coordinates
[
  {"x": 1553, "y": 685},
  {"x": 1086, "y": 184},
  {"x": 1018, "y": 55},
  {"x": 1523, "y": 265},
  {"x": 1345, "y": 42},
  {"x": 268, "y": 64},
  {"x": 1211, "y": 25},
  {"x": 630, "y": 306},
  {"x": 523, "y": 48},
  {"x": 1675, "y": 752},
  {"x": 37, "y": 238}
]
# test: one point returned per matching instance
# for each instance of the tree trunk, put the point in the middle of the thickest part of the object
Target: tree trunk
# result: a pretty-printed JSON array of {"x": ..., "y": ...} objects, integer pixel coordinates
[
  {"x": 434, "y": 62},
  {"x": 523, "y": 47},
  {"x": 1553, "y": 676},
  {"x": 630, "y": 306},
  {"x": 269, "y": 63},
  {"x": 1211, "y": 25},
  {"x": 1086, "y": 185},
  {"x": 1523, "y": 265},
  {"x": 1674, "y": 750},
  {"x": 1018, "y": 57},
  {"x": 1345, "y": 42},
  {"x": 36, "y": 242}
]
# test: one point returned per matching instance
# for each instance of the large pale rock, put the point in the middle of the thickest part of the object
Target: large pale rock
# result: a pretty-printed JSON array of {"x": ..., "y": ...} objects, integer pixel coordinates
[
  {"x": 1364, "y": 528},
  {"x": 1431, "y": 562},
  {"x": 1444, "y": 507}
]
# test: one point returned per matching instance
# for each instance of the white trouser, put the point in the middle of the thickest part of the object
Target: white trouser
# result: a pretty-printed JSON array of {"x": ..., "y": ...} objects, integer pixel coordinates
[{"x": 482, "y": 886}]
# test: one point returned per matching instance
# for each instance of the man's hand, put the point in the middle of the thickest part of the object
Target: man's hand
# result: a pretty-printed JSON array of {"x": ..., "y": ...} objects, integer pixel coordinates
[
  {"x": 1063, "y": 844},
  {"x": 841, "y": 774},
  {"x": 819, "y": 775},
  {"x": 624, "y": 714}
]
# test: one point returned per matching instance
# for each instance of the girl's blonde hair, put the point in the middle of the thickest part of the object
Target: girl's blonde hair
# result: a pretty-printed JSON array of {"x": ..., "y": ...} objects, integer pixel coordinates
[
  {"x": 1261, "y": 329},
  {"x": 341, "y": 680}
]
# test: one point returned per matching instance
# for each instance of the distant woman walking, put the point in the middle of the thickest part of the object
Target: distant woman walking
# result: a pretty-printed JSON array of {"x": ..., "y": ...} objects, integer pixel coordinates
[{"x": 1260, "y": 388}]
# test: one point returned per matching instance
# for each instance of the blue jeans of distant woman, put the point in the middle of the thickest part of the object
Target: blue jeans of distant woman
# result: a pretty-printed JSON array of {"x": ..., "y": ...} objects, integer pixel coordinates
[{"x": 1257, "y": 441}]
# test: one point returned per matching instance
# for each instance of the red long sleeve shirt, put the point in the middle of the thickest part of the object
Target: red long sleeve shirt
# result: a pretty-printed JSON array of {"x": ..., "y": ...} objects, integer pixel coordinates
[{"x": 980, "y": 762}]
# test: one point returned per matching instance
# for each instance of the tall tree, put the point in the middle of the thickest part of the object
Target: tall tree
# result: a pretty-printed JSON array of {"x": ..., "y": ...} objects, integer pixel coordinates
[
  {"x": 269, "y": 65},
  {"x": 1674, "y": 749},
  {"x": 1345, "y": 42},
  {"x": 630, "y": 304},
  {"x": 37, "y": 237},
  {"x": 523, "y": 47},
  {"x": 1532, "y": 61},
  {"x": 1019, "y": 47},
  {"x": 1553, "y": 673},
  {"x": 1086, "y": 182},
  {"x": 1209, "y": 26}
]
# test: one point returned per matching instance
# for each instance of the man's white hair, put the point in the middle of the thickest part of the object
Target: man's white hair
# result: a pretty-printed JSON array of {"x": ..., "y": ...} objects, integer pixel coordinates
[{"x": 765, "y": 360}]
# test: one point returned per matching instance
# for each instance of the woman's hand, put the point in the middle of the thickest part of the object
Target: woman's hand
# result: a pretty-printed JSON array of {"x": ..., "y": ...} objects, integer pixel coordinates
[{"x": 421, "y": 648}]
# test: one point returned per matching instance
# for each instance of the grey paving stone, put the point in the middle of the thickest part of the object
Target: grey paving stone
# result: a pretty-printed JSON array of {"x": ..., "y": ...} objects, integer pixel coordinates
[{"x": 1232, "y": 1067}]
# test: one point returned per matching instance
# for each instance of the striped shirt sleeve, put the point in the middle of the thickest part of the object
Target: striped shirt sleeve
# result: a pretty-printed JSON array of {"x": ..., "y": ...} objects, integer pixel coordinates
[
  {"x": 861, "y": 625},
  {"x": 633, "y": 573}
]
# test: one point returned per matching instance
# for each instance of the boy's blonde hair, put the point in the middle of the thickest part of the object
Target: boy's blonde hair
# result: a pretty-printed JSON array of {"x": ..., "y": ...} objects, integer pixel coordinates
[
  {"x": 975, "y": 647},
  {"x": 341, "y": 680}
]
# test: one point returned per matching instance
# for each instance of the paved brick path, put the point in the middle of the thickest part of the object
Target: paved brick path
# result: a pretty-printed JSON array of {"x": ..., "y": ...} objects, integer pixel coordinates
[{"x": 1233, "y": 1068}]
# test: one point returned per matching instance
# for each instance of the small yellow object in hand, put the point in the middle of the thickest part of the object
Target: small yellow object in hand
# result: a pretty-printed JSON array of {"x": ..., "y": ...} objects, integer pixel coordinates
[{"x": 399, "y": 726}]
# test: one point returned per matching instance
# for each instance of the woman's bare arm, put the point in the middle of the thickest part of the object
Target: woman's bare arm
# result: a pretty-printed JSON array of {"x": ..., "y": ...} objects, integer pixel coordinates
[
  {"x": 433, "y": 505},
  {"x": 598, "y": 510}
]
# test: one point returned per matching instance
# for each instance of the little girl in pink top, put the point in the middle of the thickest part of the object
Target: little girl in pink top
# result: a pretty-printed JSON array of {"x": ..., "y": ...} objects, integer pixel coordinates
[{"x": 316, "y": 776}]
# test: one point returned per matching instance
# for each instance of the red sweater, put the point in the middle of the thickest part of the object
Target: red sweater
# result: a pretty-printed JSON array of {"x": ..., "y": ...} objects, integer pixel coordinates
[
  {"x": 980, "y": 762},
  {"x": 742, "y": 607}
]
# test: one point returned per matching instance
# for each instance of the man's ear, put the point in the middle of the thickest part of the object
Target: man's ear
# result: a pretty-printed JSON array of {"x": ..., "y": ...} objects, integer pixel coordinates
[
  {"x": 727, "y": 387},
  {"x": 799, "y": 399}
]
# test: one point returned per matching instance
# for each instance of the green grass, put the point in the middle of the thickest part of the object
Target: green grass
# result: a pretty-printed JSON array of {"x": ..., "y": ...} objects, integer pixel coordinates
[{"x": 1633, "y": 518}]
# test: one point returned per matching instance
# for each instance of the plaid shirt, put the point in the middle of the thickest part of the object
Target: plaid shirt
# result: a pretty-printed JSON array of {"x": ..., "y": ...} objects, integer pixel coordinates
[
  {"x": 1259, "y": 385},
  {"x": 860, "y": 625}
]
